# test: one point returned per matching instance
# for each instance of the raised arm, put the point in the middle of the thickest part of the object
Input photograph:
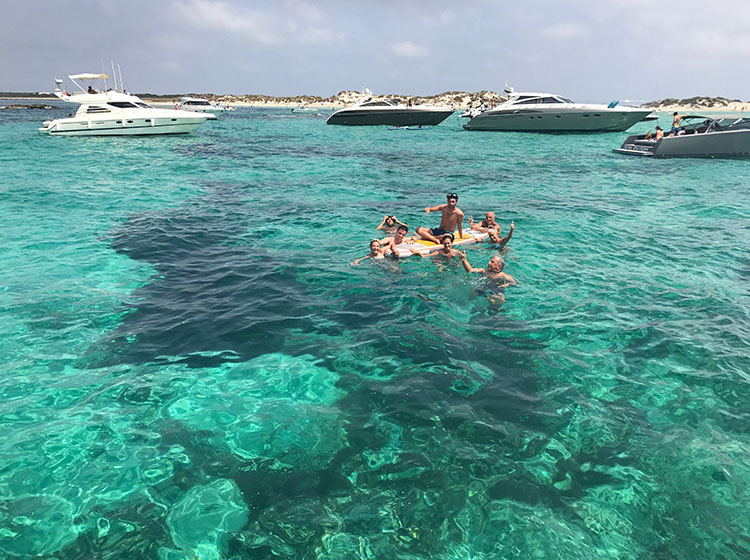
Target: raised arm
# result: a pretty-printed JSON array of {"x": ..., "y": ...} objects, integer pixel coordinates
[
  {"x": 381, "y": 223},
  {"x": 465, "y": 262},
  {"x": 434, "y": 208},
  {"x": 399, "y": 222},
  {"x": 505, "y": 239},
  {"x": 460, "y": 221}
]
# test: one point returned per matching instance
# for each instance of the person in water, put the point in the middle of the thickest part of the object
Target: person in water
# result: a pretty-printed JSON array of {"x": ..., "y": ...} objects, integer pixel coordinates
[
  {"x": 498, "y": 280},
  {"x": 389, "y": 243},
  {"x": 376, "y": 252},
  {"x": 446, "y": 251},
  {"x": 390, "y": 224},
  {"x": 487, "y": 224},
  {"x": 451, "y": 219},
  {"x": 494, "y": 236}
]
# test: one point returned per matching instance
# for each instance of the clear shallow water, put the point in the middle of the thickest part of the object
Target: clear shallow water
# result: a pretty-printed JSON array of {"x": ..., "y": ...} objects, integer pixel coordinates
[{"x": 191, "y": 368}]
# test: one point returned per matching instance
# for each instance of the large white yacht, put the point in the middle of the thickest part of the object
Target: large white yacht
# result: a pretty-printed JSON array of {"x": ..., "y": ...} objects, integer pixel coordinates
[
  {"x": 548, "y": 112},
  {"x": 115, "y": 113},
  {"x": 372, "y": 111}
]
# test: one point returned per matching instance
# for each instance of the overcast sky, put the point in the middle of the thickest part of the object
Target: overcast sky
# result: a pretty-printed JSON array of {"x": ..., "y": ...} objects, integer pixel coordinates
[{"x": 589, "y": 50}]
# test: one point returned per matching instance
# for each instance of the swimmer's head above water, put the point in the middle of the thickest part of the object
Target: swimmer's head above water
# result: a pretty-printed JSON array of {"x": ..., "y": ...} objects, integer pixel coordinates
[{"x": 496, "y": 264}]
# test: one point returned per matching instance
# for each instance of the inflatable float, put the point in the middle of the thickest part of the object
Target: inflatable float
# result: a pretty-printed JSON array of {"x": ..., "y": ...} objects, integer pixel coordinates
[{"x": 426, "y": 247}]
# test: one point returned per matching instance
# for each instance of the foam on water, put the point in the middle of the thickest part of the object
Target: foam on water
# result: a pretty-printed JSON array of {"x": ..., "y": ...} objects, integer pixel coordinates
[{"x": 193, "y": 369}]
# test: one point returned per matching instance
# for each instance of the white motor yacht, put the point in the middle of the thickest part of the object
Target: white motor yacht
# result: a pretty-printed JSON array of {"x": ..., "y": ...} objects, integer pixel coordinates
[
  {"x": 116, "y": 113},
  {"x": 548, "y": 112},
  {"x": 200, "y": 105},
  {"x": 372, "y": 111}
]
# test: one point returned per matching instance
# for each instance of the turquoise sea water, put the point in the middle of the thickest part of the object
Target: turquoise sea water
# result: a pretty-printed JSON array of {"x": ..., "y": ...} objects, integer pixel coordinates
[{"x": 192, "y": 369}]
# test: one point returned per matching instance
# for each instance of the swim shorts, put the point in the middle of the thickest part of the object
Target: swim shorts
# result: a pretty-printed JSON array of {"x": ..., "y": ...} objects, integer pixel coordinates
[{"x": 437, "y": 232}]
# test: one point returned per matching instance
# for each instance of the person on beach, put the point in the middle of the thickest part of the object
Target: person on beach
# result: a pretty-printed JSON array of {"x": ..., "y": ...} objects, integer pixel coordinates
[
  {"x": 390, "y": 224},
  {"x": 389, "y": 243},
  {"x": 376, "y": 252},
  {"x": 446, "y": 251},
  {"x": 452, "y": 218},
  {"x": 676, "y": 118},
  {"x": 497, "y": 279}
]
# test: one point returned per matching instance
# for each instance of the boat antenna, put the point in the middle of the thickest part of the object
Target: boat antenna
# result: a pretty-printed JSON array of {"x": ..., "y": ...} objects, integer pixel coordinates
[
  {"x": 114, "y": 76},
  {"x": 122, "y": 87},
  {"x": 103, "y": 72}
]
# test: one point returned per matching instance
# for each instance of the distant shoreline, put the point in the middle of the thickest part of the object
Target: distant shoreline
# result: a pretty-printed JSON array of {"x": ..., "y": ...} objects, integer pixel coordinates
[{"x": 458, "y": 100}]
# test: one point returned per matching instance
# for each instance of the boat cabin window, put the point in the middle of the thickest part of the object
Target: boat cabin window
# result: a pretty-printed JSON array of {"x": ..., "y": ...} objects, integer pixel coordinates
[
  {"x": 376, "y": 104},
  {"x": 196, "y": 102},
  {"x": 144, "y": 105},
  {"x": 96, "y": 109},
  {"x": 123, "y": 104}
]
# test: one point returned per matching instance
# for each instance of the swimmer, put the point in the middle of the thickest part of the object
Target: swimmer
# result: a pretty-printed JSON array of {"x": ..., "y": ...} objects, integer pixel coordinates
[
  {"x": 446, "y": 251},
  {"x": 494, "y": 236},
  {"x": 376, "y": 252},
  {"x": 389, "y": 243},
  {"x": 452, "y": 218},
  {"x": 390, "y": 223},
  {"x": 499, "y": 280},
  {"x": 486, "y": 224}
]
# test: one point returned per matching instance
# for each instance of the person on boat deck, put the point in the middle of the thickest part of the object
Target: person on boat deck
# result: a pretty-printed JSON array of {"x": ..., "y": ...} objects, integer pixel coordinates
[
  {"x": 389, "y": 243},
  {"x": 390, "y": 224},
  {"x": 498, "y": 279},
  {"x": 494, "y": 236},
  {"x": 676, "y": 118},
  {"x": 452, "y": 218},
  {"x": 446, "y": 251},
  {"x": 659, "y": 133},
  {"x": 681, "y": 131},
  {"x": 376, "y": 252},
  {"x": 91, "y": 90}
]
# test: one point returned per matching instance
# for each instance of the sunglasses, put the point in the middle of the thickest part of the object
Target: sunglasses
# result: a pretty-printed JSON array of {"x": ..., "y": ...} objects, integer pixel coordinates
[{"x": 451, "y": 195}]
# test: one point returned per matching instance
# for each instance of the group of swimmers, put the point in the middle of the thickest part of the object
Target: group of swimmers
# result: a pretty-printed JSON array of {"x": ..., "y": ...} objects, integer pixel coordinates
[{"x": 451, "y": 220}]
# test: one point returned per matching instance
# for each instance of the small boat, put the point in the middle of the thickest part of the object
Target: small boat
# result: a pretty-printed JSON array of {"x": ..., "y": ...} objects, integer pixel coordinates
[
  {"x": 549, "y": 112},
  {"x": 305, "y": 109},
  {"x": 698, "y": 136},
  {"x": 110, "y": 112},
  {"x": 200, "y": 105},
  {"x": 418, "y": 127},
  {"x": 370, "y": 111}
]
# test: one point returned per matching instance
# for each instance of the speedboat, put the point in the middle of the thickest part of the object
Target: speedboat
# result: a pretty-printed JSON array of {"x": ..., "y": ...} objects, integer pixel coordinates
[
  {"x": 305, "y": 109},
  {"x": 698, "y": 136},
  {"x": 548, "y": 112},
  {"x": 372, "y": 111},
  {"x": 110, "y": 112},
  {"x": 198, "y": 105}
]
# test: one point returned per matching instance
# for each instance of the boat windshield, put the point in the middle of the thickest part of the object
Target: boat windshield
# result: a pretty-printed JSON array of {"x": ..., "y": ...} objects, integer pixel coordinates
[
  {"x": 380, "y": 103},
  {"x": 122, "y": 104},
  {"x": 539, "y": 100}
]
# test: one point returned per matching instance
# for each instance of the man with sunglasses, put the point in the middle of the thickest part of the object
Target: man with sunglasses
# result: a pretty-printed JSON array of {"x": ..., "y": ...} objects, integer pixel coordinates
[{"x": 451, "y": 219}]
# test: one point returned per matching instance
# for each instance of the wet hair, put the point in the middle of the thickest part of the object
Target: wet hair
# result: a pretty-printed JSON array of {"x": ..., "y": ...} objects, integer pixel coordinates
[
  {"x": 373, "y": 241},
  {"x": 451, "y": 195},
  {"x": 402, "y": 227},
  {"x": 658, "y": 127},
  {"x": 447, "y": 236}
]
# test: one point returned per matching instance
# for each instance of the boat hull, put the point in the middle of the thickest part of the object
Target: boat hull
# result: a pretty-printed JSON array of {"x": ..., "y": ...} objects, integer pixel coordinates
[
  {"x": 522, "y": 120},
  {"x": 727, "y": 144},
  {"x": 121, "y": 127},
  {"x": 399, "y": 117}
]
